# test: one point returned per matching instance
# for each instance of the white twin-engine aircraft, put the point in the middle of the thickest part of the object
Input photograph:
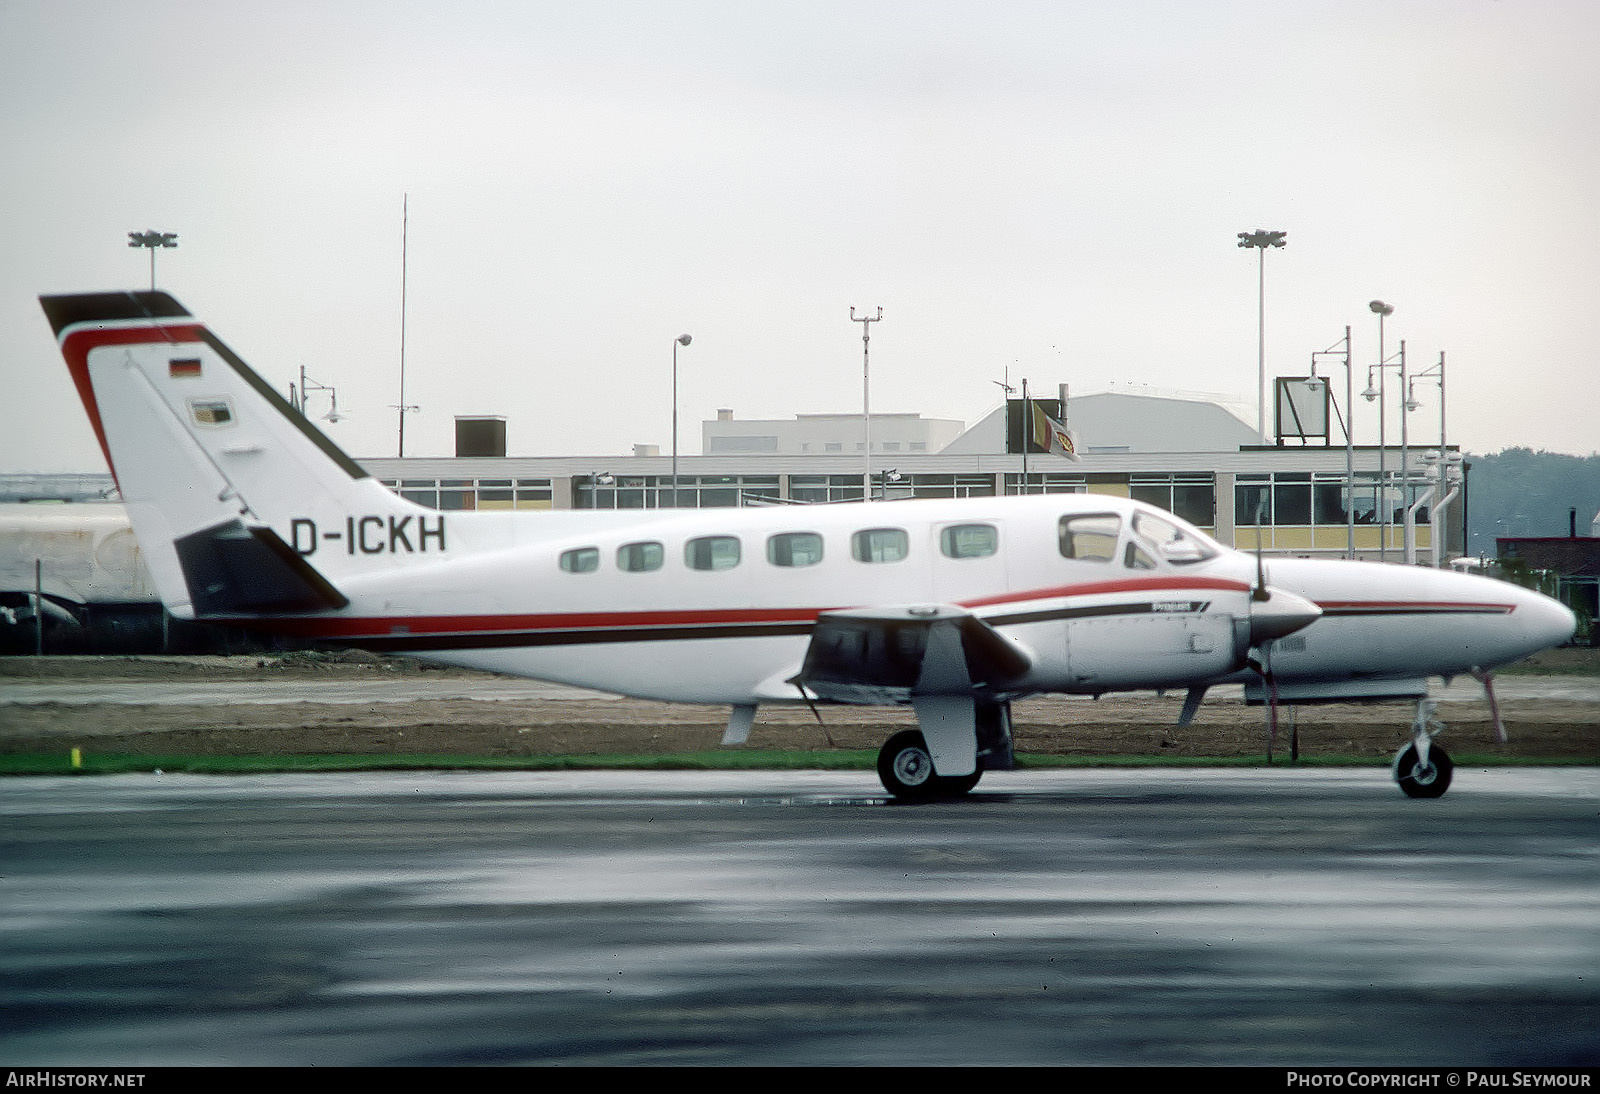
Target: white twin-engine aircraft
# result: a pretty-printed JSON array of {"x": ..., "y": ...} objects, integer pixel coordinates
[{"x": 249, "y": 516}]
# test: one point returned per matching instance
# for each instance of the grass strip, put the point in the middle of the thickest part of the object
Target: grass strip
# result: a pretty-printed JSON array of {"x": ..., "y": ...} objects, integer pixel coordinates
[{"x": 864, "y": 760}]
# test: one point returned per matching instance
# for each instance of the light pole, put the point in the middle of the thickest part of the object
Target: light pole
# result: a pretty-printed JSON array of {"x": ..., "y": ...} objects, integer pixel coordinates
[
  {"x": 1341, "y": 348},
  {"x": 152, "y": 239},
  {"x": 1262, "y": 239},
  {"x": 1444, "y": 495},
  {"x": 681, "y": 340},
  {"x": 1382, "y": 311},
  {"x": 866, "y": 401}
]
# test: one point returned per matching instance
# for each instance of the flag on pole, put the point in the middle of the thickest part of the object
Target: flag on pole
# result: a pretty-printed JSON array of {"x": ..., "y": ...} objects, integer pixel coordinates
[{"x": 1052, "y": 436}]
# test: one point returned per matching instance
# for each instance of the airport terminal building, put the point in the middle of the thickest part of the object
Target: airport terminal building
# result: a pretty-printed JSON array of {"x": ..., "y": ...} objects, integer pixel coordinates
[
  {"x": 1191, "y": 456},
  {"x": 1188, "y": 455}
]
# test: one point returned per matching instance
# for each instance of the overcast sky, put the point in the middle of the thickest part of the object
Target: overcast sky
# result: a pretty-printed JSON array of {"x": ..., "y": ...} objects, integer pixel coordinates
[{"x": 1052, "y": 189}]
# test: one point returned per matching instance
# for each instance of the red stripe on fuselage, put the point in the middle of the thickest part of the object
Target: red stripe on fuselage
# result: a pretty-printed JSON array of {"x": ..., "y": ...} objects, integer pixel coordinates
[
  {"x": 77, "y": 344},
  {"x": 1121, "y": 585},
  {"x": 383, "y": 627}
]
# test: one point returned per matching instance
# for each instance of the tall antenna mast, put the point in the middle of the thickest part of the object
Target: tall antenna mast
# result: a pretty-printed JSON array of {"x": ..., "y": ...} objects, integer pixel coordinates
[
  {"x": 405, "y": 223},
  {"x": 866, "y": 399}
]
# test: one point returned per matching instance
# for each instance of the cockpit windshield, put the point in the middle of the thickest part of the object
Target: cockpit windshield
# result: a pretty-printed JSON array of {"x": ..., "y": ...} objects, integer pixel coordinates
[{"x": 1171, "y": 541}]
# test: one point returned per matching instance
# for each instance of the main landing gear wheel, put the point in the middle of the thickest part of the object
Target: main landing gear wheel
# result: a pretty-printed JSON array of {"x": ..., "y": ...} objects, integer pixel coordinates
[
  {"x": 1423, "y": 780},
  {"x": 906, "y": 771}
]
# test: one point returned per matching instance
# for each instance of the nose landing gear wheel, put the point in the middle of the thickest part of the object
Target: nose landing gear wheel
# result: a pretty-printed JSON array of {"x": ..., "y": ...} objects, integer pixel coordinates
[
  {"x": 1423, "y": 780},
  {"x": 905, "y": 768}
]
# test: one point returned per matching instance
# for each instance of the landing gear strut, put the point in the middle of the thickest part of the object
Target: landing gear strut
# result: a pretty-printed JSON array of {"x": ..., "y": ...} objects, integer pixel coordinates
[{"x": 1422, "y": 768}]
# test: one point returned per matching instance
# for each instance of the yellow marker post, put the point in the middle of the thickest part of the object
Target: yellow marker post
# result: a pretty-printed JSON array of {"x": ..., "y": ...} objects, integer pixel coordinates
[{"x": 77, "y": 757}]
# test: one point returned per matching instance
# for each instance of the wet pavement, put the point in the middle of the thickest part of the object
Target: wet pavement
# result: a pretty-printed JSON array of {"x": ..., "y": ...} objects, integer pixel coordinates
[{"x": 1086, "y": 917}]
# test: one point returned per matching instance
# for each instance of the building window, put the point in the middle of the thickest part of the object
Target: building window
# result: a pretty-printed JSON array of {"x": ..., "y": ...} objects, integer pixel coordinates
[
  {"x": 824, "y": 488},
  {"x": 969, "y": 541},
  {"x": 712, "y": 553},
  {"x": 795, "y": 549},
  {"x": 638, "y": 558},
  {"x": 1190, "y": 496},
  {"x": 880, "y": 545},
  {"x": 581, "y": 560},
  {"x": 1038, "y": 483},
  {"x": 952, "y": 486}
]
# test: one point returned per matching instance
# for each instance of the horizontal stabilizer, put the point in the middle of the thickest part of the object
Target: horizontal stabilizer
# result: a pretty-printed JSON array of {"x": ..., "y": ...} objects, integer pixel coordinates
[{"x": 231, "y": 569}]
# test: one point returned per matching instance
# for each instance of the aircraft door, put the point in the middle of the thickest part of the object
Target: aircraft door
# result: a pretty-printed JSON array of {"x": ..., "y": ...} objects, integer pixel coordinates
[{"x": 1141, "y": 630}]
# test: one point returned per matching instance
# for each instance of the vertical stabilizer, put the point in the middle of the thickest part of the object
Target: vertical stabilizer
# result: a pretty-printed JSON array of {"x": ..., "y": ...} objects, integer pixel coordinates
[{"x": 206, "y": 454}]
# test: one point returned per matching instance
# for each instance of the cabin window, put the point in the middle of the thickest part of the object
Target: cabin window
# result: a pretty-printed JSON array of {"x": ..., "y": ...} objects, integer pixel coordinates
[
  {"x": 969, "y": 540},
  {"x": 795, "y": 549},
  {"x": 637, "y": 558},
  {"x": 712, "y": 553},
  {"x": 880, "y": 545},
  {"x": 1090, "y": 538},
  {"x": 581, "y": 560}
]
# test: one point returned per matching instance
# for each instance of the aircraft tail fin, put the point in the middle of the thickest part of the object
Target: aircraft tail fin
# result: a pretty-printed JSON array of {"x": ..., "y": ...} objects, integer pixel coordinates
[{"x": 229, "y": 488}]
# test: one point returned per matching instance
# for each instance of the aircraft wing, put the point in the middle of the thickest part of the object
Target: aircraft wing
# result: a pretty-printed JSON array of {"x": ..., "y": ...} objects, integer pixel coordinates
[{"x": 897, "y": 654}]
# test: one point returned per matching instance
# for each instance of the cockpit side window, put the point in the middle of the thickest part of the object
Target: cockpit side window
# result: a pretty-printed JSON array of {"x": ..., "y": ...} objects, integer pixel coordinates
[{"x": 1090, "y": 537}]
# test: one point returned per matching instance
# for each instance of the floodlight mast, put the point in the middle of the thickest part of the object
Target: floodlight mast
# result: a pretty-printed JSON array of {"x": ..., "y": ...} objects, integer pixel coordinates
[
  {"x": 1262, "y": 238},
  {"x": 152, "y": 239},
  {"x": 866, "y": 400}
]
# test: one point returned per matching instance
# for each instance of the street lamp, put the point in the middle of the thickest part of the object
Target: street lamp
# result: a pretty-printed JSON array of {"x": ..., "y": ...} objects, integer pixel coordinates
[
  {"x": 1342, "y": 349},
  {"x": 297, "y": 399},
  {"x": 681, "y": 340},
  {"x": 1262, "y": 239},
  {"x": 152, "y": 239},
  {"x": 1383, "y": 311},
  {"x": 1444, "y": 495}
]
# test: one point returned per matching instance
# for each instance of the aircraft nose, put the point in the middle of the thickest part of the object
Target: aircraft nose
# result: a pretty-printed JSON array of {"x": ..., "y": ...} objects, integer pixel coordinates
[
  {"x": 1279, "y": 614},
  {"x": 1545, "y": 621}
]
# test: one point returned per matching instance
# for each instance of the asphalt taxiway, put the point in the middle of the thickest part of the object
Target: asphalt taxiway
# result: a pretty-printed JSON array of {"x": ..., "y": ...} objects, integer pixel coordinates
[{"x": 1086, "y": 917}]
